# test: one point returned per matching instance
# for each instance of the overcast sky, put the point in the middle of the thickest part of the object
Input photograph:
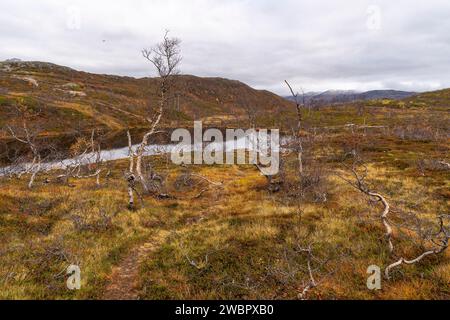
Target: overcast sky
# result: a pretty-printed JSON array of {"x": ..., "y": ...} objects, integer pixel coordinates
[{"x": 317, "y": 45}]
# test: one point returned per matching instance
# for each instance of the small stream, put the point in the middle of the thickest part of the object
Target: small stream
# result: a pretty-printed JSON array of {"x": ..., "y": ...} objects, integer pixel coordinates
[{"x": 123, "y": 153}]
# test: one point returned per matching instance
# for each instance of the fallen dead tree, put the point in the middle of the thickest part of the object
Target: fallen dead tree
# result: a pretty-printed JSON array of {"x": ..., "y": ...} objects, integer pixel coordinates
[{"x": 439, "y": 239}]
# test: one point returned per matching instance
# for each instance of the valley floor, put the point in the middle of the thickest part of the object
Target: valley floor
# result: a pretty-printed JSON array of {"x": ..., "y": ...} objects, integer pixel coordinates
[{"x": 228, "y": 240}]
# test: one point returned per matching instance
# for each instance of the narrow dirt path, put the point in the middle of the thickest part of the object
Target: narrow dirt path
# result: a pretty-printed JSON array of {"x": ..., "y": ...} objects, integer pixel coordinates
[{"x": 125, "y": 276}]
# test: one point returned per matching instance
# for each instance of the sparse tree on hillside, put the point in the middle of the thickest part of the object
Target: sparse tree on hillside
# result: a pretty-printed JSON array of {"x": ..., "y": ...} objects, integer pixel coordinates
[
  {"x": 296, "y": 132},
  {"x": 250, "y": 109},
  {"x": 165, "y": 57},
  {"x": 130, "y": 177},
  {"x": 24, "y": 133},
  {"x": 86, "y": 161}
]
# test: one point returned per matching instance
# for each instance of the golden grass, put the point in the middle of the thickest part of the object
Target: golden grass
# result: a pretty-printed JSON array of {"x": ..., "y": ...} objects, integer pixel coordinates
[
  {"x": 103, "y": 118},
  {"x": 235, "y": 241}
]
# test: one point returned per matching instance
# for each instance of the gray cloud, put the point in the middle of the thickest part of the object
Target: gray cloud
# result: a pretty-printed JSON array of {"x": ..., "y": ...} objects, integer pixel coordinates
[{"x": 325, "y": 44}]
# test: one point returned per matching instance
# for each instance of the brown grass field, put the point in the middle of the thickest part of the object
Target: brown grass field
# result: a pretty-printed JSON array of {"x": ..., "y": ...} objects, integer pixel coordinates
[{"x": 238, "y": 240}]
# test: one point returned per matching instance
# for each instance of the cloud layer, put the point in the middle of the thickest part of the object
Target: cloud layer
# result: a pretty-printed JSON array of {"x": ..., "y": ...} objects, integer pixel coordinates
[{"x": 320, "y": 45}]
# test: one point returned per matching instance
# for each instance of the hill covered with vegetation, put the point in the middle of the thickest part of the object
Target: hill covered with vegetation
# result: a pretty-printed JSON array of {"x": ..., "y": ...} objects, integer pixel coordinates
[{"x": 69, "y": 100}]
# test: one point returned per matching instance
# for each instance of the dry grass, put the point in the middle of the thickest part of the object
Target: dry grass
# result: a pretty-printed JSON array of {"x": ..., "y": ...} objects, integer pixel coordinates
[
  {"x": 239, "y": 240},
  {"x": 235, "y": 241}
]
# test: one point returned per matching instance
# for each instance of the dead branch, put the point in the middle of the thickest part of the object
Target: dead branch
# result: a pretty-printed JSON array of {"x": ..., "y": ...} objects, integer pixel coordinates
[
  {"x": 200, "y": 193},
  {"x": 440, "y": 239},
  {"x": 445, "y": 164},
  {"x": 296, "y": 133},
  {"x": 218, "y": 184},
  {"x": 198, "y": 265},
  {"x": 129, "y": 176},
  {"x": 35, "y": 167},
  {"x": 441, "y": 246},
  {"x": 89, "y": 157},
  {"x": 361, "y": 185},
  {"x": 312, "y": 282}
]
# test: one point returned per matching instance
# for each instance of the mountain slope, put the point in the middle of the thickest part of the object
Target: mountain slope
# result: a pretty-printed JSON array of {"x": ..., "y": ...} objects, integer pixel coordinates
[
  {"x": 70, "y": 100},
  {"x": 339, "y": 96}
]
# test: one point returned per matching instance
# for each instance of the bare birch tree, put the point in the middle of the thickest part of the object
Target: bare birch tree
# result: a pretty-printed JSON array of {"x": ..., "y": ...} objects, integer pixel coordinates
[
  {"x": 296, "y": 132},
  {"x": 165, "y": 57},
  {"x": 27, "y": 135},
  {"x": 130, "y": 177},
  {"x": 86, "y": 161}
]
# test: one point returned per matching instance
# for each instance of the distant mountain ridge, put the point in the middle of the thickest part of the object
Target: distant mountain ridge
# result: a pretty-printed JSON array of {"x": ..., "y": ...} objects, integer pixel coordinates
[{"x": 339, "y": 96}]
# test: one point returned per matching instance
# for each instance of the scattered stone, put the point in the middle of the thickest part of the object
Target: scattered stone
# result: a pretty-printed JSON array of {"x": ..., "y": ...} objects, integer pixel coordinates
[
  {"x": 30, "y": 80},
  {"x": 71, "y": 86},
  {"x": 76, "y": 93}
]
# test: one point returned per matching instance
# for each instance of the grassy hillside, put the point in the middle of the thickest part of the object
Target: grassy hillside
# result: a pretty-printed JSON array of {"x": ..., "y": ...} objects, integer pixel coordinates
[{"x": 69, "y": 100}]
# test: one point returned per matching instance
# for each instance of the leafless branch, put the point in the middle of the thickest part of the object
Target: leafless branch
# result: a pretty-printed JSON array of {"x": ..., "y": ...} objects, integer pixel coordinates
[
  {"x": 296, "y": 133},
  {"x": 441, "y": 244}
]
